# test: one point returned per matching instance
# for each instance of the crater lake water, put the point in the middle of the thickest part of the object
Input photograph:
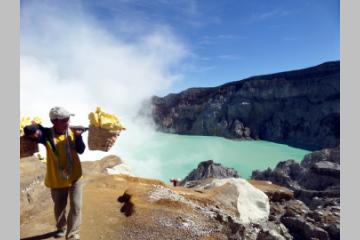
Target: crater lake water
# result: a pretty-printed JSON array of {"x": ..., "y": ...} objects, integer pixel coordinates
[{"x": 164, "y": 156}]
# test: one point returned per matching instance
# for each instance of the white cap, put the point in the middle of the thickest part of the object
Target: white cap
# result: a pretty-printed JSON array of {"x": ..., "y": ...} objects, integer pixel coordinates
[{"x": 59, "y": 113}]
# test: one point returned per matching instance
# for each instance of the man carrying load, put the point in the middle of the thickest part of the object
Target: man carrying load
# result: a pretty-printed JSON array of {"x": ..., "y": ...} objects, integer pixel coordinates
[{"x": 63, "y": 170}]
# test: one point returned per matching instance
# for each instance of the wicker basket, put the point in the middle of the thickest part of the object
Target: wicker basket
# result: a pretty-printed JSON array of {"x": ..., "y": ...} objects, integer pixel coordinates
[
  {"x": 101, "y": 139},
  {"x": 27, "y": 147}
]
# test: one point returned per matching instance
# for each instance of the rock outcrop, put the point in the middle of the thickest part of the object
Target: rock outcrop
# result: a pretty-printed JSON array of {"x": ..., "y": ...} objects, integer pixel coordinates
[
  {"x": 253, "y": 220},
  {"x": 304, "y": 197},
  {"x": 318, "y": 175},
  {"x": 209, "y": 169},
  {"x": 300, "y": 108},
  {"x": 251, "y": 203},
  {"x": 316, "y": 186}
]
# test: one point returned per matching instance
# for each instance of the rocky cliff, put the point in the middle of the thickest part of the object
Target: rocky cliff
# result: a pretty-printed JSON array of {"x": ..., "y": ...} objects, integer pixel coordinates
[{"x": 300, "y": 108}]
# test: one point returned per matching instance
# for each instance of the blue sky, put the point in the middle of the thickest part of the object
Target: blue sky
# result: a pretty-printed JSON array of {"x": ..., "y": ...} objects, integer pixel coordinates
[{"x": 224, "y": 40}]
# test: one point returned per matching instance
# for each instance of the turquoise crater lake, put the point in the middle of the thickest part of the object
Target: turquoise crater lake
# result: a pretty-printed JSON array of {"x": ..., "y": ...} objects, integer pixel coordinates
[{"x": 164, "y": 156}]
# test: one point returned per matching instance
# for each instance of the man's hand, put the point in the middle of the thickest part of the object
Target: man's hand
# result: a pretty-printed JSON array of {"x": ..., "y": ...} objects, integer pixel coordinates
[
  {"x": 32, "y": 131},
  {"x": 36, "y": 135},
  {"x": 78, "y": 130}
]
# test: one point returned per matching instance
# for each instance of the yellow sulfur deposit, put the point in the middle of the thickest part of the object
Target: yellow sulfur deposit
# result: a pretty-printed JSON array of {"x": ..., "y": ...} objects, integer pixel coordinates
[
  {"x": 105, "y": 120},
  {"x": 24, "y": 121}
]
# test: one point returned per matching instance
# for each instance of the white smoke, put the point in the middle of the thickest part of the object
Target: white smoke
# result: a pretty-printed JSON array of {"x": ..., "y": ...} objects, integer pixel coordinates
[{"x": 68, "y": 59}]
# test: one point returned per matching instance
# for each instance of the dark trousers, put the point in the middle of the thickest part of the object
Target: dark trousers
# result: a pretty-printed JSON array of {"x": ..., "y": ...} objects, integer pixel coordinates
[{"x": 73, "y": 220}]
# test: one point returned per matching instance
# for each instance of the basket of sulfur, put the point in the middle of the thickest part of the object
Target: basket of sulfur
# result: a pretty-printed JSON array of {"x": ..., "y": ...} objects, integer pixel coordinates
[
  {"x": 103, "y": 130},
  {"x": 27, "y": 146}
]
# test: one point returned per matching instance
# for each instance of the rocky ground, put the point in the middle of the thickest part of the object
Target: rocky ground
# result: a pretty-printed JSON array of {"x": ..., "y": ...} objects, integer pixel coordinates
[
  {"x": 315, "y": 182},
  {"x": 124, "y": 207},
  {"x": 307, "y": 206},
  {"x": 211, "y": 206}
]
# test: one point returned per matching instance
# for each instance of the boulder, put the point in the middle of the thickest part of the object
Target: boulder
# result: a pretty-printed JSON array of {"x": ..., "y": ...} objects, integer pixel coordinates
[
  {"x": 285, "y": 174},
  {"x": 327, "y": 154},
  {"x": 327, "y": 168},
  {"x": 251, "y": 203},
  {"x": 302, "y": 229},
  {"x": 210, "y": 169}
]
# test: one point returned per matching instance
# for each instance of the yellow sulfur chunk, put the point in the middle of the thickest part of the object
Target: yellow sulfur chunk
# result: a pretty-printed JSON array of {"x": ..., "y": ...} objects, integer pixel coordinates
[
  {"x": 37, "y": 120},
  {"x": 105, "y": 120},
  {"x": 94, "y": 119},
  {"x": 98, "y": 110}
]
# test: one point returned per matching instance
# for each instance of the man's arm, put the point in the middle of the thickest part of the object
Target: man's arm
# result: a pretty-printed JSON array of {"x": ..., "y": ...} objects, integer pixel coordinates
[{"x": 79, "y": 143}]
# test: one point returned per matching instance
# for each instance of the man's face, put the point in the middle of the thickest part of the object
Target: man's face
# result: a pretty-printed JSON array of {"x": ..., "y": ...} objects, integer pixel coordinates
[{"x": 61, "y": 125}]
